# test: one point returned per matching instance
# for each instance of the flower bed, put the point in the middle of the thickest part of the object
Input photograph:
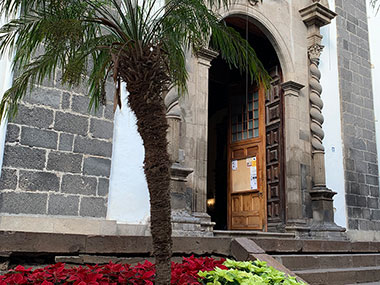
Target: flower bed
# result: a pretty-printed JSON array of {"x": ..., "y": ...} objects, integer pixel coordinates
[{"x": 191, "y": 271}]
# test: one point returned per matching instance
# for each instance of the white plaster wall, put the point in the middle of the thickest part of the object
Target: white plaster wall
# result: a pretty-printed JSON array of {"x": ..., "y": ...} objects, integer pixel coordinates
[
  {"x": 332, "y": 125},
  {"x": 128, "y": 199},
  {"x": 374, "y": 43},
  {"x": 6, "y": 77}
]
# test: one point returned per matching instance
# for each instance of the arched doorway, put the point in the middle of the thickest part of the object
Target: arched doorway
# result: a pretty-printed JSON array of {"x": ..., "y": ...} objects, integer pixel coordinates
[{"x": 245, "y": 173}]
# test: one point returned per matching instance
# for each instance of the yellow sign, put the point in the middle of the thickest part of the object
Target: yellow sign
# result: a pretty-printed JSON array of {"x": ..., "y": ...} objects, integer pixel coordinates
[{"x": 251, "y": 161}]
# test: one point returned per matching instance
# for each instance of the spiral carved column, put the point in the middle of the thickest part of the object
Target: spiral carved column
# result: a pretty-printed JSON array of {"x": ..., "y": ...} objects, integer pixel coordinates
[
  {"x": 316, "y": 117},
  {"x": 315, "y": 16}
]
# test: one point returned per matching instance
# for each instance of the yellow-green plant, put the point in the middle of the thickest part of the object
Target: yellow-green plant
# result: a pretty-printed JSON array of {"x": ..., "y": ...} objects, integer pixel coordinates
[{"x": 246, "y": 273}]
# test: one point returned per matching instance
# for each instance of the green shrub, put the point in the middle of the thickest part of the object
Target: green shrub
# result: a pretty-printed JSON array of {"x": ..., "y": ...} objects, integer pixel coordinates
[{"x": 246, "y": 273}]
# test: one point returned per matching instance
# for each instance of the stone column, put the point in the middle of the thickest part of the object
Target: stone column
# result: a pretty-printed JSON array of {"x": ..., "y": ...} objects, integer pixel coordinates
[
  {"x": 294, "y": 217},
  {"x": 315, "y": 16},
  {"x": 204, "y": 58},
  {"x": 181, "y": 199}
]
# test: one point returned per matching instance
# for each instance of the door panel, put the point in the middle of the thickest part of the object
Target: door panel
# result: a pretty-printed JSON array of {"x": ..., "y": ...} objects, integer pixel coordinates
[
  {"x": 246, "y": 169},
  {"x": 275, "y": 154},
  {"x": 246, "y": 211}
]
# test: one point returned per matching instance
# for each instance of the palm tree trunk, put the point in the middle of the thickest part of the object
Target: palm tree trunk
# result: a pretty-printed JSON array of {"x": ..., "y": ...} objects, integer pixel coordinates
[{"x": 152, "y": 126}]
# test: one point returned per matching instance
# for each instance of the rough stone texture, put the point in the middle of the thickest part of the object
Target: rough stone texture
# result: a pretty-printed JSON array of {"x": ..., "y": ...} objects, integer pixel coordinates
[
  {"x": 8, "y": 179},
  {"x": 23, "y": 203},
  {"x": 63, "y": 205},
  {"x": 360, "y": 159},
  {"x": 66, "y": 142},
  {"x": 46, "y": 169},
  {"x": 92, "y": 146},
  {"x": 45, "y": 97},
  {"x": 64, "y": 162},
  {"x": 103, "y": 186},
  {"x": 13, "y": 133},
  {"x": 101, "y": 129},
  {"x": 38, "y": 138},
  {"x": 34, "y": 116},
  {"x": 97, "y": 166},
  {"x": 38, "y": 181},
  {"x": 93, "y": 207},
  {"x": 78, "y": 184},
  {"x": 71, "y": 123},
  {"x": 24, "y": 157}
]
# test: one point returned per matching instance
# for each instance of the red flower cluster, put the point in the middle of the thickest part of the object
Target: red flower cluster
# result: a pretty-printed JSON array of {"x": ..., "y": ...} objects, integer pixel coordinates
[{"x": 141, "y": 274}]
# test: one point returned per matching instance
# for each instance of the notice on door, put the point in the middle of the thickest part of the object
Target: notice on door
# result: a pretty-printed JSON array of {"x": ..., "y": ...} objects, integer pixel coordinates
[
  {"x": 234, "y": 165},
  {"x": 253, "y": 172},
  {"x": 244, "y": 175}
]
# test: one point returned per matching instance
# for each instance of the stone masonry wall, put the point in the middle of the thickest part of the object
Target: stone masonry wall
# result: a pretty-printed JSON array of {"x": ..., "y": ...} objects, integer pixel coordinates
[
  {"x": 57, "y": 155},
  {"x": 358, "y": 125}
]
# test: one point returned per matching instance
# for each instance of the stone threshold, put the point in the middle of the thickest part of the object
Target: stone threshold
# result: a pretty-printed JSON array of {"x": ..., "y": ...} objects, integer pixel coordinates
[
  {"x": 252, "y": 234},
  {"x": 71, "y": 225}
]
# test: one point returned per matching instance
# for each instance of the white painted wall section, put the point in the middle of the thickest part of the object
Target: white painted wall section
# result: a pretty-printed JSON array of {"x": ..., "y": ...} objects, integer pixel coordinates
[
  {"x": 374, "y": 45},
  {"x": 6, "y": 78},
  {"x": 128, "y": 199},
  {"x": 332, "y": 126}
]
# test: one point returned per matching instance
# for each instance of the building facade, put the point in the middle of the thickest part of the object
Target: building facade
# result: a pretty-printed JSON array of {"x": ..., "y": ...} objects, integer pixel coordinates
[{"x": 295, "y": 158}]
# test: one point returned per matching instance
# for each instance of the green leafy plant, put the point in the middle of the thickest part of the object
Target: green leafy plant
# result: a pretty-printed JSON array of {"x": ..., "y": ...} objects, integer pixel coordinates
[{"x": 246, "y": 273}]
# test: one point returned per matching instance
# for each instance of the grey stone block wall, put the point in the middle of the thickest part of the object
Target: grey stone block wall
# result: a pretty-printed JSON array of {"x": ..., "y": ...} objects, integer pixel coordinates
[
  {"x": 357, "y": 109},
  {"x": 57, "y": 155}
]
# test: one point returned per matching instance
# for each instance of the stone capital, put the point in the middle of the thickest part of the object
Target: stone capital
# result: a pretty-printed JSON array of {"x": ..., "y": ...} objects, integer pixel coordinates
[
  {"x": 314, "y": 52},
  {"x": 206, "y": 55},
  {"x": 291, "y": 88},
  {"x": 317, "y": 14}
]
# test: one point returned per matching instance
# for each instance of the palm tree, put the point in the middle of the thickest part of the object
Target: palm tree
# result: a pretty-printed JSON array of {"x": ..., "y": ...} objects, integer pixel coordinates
[{"x": 141, "y": 43}]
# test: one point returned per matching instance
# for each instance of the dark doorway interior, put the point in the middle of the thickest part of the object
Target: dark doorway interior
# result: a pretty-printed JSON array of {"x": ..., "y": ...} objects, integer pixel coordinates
[{"x": 221, "y": 80}]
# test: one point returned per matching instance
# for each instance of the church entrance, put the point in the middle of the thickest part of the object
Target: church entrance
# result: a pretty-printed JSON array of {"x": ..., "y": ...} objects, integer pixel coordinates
[
  {"x": 246, "y": 148},
  {"x": 245, "y": 180}
]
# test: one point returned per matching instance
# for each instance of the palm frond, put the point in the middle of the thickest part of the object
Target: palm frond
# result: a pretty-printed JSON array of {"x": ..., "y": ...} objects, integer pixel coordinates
[
  {"x": 375, "y": 5},
  {"x": 191, "y": 25},
  {"x": 43, "y": 41},
  {"x": 69, "y": 34}
]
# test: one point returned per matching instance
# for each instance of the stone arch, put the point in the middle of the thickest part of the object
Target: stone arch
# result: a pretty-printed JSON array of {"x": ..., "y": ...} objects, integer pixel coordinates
[
  {"x": 270, "y": 31},
  {"x": 274, "y": 53}
]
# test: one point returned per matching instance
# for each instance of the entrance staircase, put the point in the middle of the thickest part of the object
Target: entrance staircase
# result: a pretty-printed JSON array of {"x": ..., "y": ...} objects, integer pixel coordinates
[
  {"x": 319, "y": 261},
  {"x": 327, "y": 262},
  {"x": 322, "y": 268}
]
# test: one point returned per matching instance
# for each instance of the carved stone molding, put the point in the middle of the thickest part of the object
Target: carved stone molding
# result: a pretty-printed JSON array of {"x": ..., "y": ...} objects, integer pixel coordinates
[
  {"x": 317, "y": 14},
  {"x": 173, "y": 111},
  {"x": 205, "y": 56},
  {"x": 291, "y": 88}
]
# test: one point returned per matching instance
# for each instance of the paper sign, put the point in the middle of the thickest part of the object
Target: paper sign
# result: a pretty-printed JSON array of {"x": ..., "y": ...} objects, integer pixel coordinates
[
  {"x": 251, "y": 161},
  {"x": 253, "y": 171},
  {"x": 234, "y": 165}
]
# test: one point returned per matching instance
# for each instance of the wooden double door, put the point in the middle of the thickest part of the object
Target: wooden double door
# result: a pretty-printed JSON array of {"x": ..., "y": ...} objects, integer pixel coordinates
[
  {"x": 246, "y": 158},
  {"x": 256, "y": 170}
]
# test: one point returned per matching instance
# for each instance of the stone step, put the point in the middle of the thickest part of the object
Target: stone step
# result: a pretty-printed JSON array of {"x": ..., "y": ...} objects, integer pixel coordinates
[
  {"x": 253, "y": 234},
  {"x": 356, "y": 275},
  {"x": 296, "y": 246},
  {"x": 328, "y": 261},
  {"x": 366, "y": 283}
]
